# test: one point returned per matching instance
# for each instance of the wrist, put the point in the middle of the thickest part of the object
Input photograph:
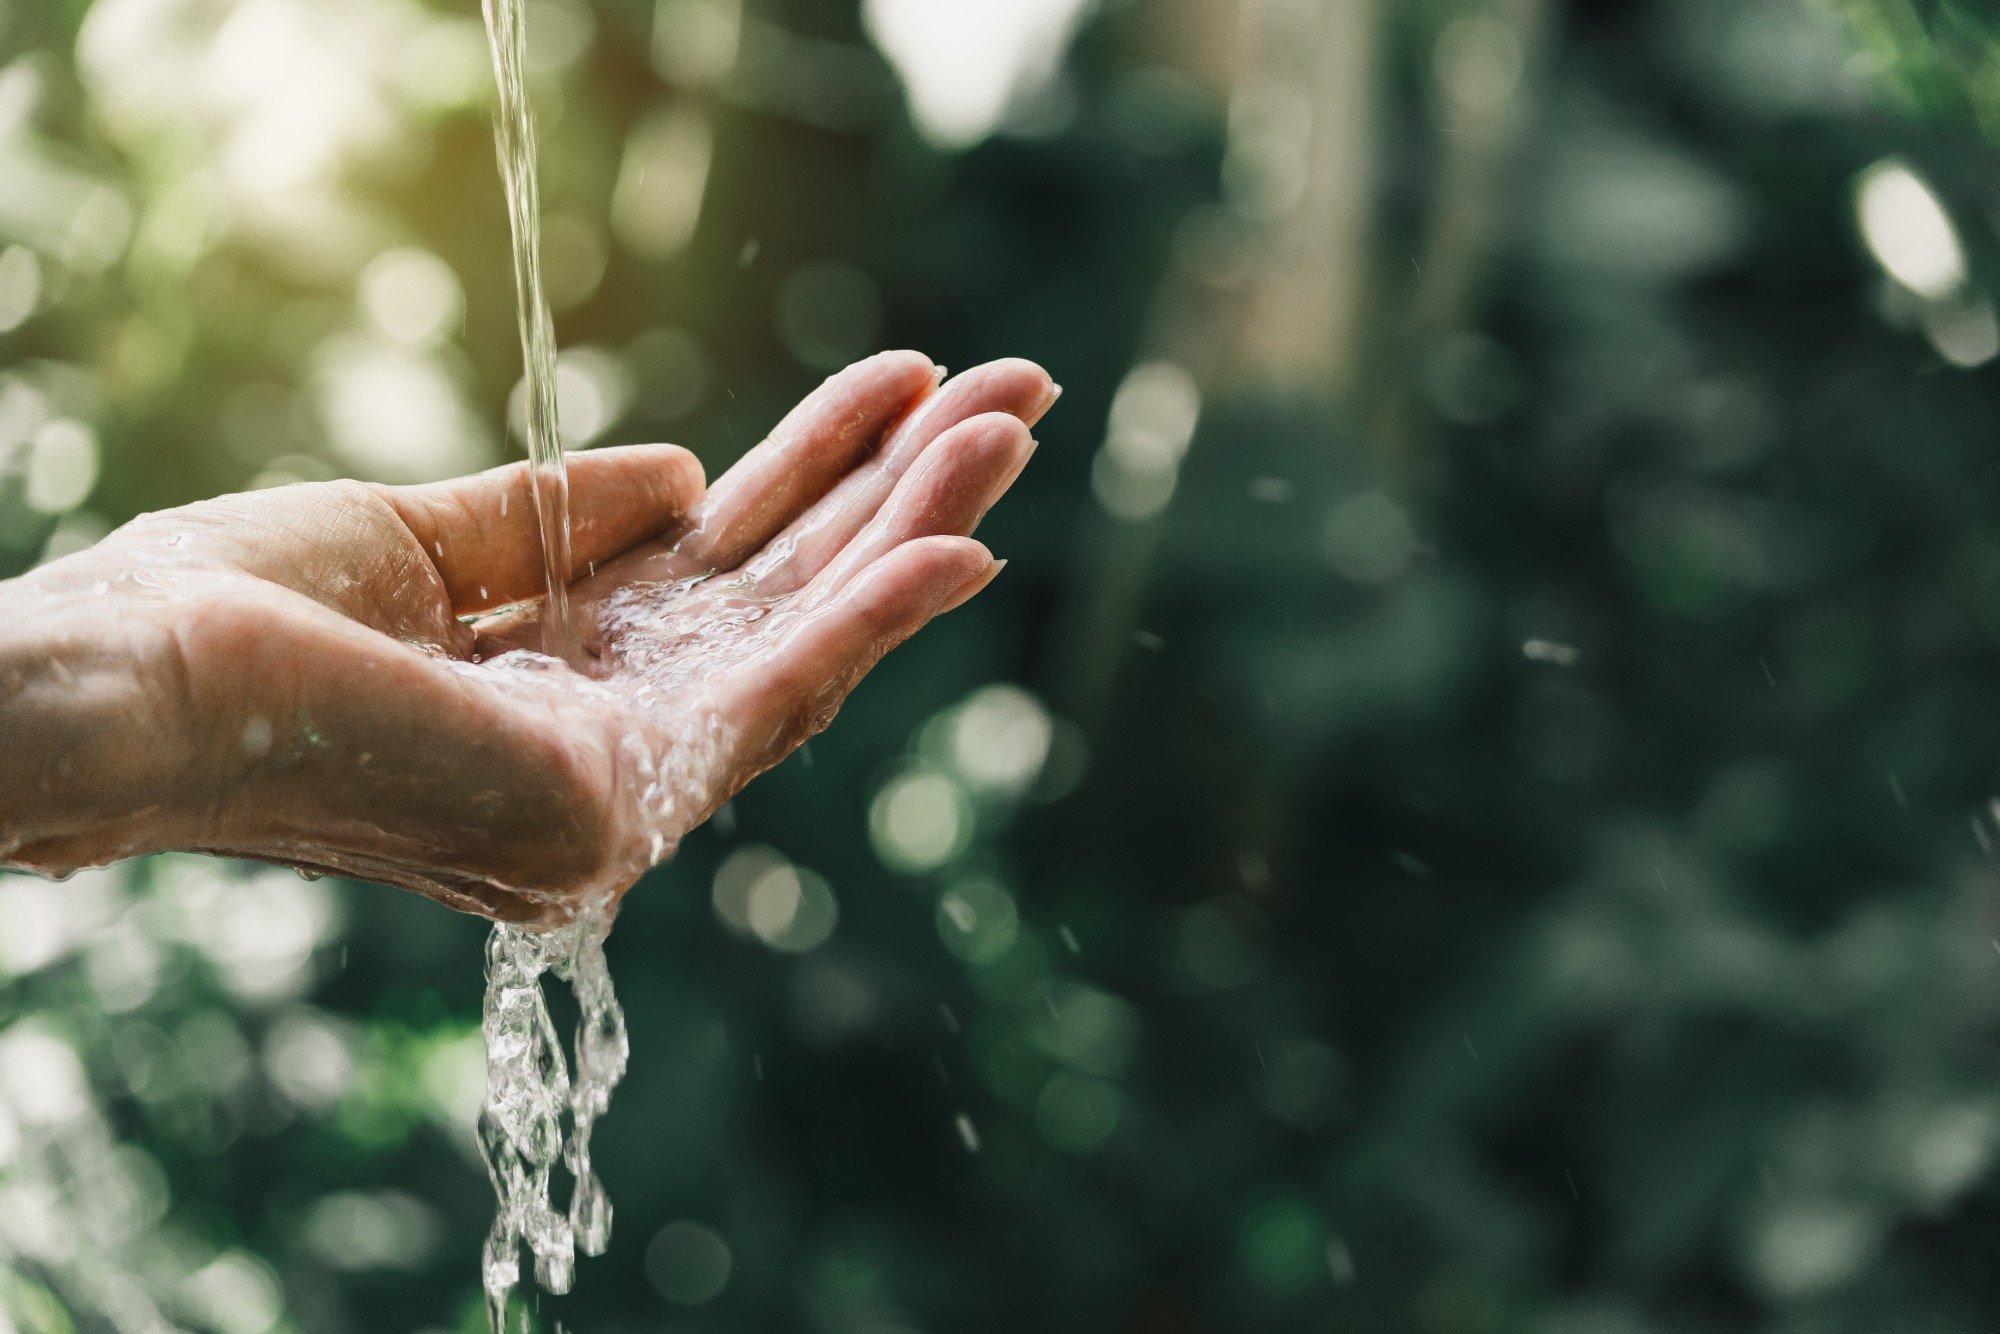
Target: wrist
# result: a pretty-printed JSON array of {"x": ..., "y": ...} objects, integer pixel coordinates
[{"x": 92, "y": 742}]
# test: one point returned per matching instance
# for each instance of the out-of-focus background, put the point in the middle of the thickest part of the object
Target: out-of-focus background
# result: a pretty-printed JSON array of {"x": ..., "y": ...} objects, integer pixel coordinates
[{"x": 1470, "y": 810}]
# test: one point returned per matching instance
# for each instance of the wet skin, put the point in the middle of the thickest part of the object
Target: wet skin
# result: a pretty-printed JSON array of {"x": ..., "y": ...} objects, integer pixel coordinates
[{"x": 331, "y": 675}]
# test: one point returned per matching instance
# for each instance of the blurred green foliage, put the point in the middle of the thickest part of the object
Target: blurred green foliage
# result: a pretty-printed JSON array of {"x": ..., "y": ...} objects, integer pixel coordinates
[
  {"x": 1497, "y": 837},
  {"x": 1939, "y": 57}
]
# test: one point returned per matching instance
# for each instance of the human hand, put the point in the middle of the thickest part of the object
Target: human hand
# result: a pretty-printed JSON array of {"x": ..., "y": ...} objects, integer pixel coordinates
[{"x": 340, "y": 676}]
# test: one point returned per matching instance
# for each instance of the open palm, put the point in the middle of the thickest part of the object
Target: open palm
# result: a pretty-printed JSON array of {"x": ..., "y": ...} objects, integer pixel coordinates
[
  {"x": 727, "y": 641},
  {"x": 351, "y": 681}
]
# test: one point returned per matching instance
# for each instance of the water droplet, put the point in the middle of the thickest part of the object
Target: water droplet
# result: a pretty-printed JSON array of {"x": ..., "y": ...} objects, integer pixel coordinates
[{"x": 590, "y": 1215}]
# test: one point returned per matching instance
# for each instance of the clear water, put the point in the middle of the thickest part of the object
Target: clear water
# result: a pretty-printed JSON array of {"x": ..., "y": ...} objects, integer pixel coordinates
[
  {"x": 538, "y": 1112},
  {"x": 514, "y": 141}
]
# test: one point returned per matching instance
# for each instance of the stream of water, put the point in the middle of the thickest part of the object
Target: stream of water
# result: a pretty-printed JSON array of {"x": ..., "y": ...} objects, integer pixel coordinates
[
  {"x": 535, "y": 1112},
  {"x": 514, "y": 140}
]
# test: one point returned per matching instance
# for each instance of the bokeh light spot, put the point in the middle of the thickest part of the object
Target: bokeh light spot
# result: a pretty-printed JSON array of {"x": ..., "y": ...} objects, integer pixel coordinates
[
  {"x": 669, "y": 371},
  {"x": 977, "y": 921},
  {"x": 792, "y": 909},
  {"x": 20, "y": 286},
  {"x": 1908, "y": 230},
  {"x": 662, "y": 182},
  {"x": 920, "y": 821},
  {"x": 1000, "y": 739},
  {"x": 1223, "y": 942},
  {"x": 62, "y": 466},
  {"x": 1369, "y": 539},
  {"x": 829, "y": 314},
  {"x": 412, "y": 297},
  {"x": 688, "y": 1263},
  {"x": 1076, "y": 1112}
]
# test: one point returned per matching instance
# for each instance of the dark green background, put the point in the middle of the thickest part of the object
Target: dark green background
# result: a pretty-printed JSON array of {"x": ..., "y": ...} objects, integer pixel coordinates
[{"x": 1436, "y": 986}]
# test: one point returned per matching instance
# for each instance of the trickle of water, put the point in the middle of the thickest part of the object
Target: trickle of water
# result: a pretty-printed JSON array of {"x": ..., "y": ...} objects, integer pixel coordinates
[
  {"x": 535, "y": 1111},
  {"x": 514, "y": 141}
]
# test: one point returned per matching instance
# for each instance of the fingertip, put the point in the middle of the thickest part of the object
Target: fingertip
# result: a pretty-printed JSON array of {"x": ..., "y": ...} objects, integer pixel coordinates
[
  {"x": 925, "y": 571},
  {"x": 669, "y": 477},
  {"x": 678, "y": 460},
  {"x": 1007, "y": 444},
  {"x": 994, "y": 433},
  {"x": 886, "y": 388},
  {"x": 1015, "y": 385},
  {"x": 1021, "y": 366},
  {"x": 685, "y": 467},
  {"x": 886, "y": 380},
  {"x": 977, "y": 585},
  {"x": 903, "y": 365},
  {"x": 948, "y": 549},
  {"x": 964, "y": 566}
]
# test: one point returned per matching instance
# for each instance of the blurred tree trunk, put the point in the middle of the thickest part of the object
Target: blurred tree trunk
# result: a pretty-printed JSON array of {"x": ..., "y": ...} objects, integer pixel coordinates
[
  {"x": 1482, "y": 79},
  {"x": 1283, "y": 310},
  {"x": 1308, "y": 300},
  {"x": 1302, "y": 169},
  {"x": 1481, "y": 68}
]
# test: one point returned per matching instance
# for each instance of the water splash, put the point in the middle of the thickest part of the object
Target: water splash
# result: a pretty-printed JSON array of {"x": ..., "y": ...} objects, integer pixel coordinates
[
  {"x": 535, "y": 1113},
  {"x": 514, "y": 142}
]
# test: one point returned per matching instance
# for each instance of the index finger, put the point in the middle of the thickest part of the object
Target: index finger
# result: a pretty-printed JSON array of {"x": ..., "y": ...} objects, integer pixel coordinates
[{"x": 818, "y": 443}]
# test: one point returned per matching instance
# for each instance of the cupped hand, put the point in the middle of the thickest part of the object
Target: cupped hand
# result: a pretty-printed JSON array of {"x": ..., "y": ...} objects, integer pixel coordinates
[{"x": 344, "y": 677}]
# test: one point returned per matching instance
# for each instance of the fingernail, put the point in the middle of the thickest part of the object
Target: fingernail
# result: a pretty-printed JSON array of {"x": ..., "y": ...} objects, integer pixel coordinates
[
  {"x": 972, "y": 587},
  {"x": 980, "y": 580}
]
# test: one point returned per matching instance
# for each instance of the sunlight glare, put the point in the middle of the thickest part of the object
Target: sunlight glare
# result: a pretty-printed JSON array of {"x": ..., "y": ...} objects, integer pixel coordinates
[
  {"x": 394, "y": 415},
  {"x": 297, "y": 103},
  {"x": 965, "y": 63}
]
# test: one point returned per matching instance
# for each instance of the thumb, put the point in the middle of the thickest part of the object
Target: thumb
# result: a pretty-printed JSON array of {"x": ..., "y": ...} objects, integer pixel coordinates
[{"x": 481, "y": 531}]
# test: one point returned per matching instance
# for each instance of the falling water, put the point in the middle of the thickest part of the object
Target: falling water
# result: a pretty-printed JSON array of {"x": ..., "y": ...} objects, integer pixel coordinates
[
  {"x": 535, "y": 1112},
  {"x": 514, "y": 140}
]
